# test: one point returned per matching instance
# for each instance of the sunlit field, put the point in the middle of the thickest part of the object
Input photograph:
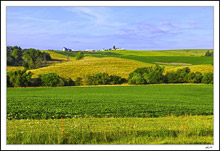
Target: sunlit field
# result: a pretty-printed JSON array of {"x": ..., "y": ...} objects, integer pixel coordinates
[
  {"x": 91, "y": 65},
  {"x": 152, "y": 114},
  {"x": 162, "y": 130}
]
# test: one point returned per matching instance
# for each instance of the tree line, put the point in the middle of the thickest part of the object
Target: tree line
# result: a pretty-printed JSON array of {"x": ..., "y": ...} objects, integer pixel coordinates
[
  {"x": 146, "y": 75},
  {"x": 155, "y": 75},
  {"x": 28, "y": 58}
]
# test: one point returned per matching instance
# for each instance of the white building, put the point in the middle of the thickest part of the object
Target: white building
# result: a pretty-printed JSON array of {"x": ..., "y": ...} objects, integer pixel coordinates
[
  {"x": 89, "y": 50},
  {"x": 66, "y": 49}
]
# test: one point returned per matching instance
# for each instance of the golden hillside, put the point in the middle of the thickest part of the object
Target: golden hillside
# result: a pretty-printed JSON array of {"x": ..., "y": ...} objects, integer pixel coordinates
[{"x": 91, "y": 65}]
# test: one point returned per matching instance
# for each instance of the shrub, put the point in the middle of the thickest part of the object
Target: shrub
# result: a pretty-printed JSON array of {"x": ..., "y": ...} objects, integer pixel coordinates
[
  {"x": 68, "y": 82},
  {"x": 181, "y": 74},
  {"x": 193, "y": 77},
  {"x": 103, "y": 79},
  {"x": 51, "y": 80},
  {"x": 170, "y": 77},
  {"x": 36, "y": 82},
  {"x": 115, "y": 79},
  {"x": 136, "y": 78},
  {"x": 90, "y": 79},
  {"x": 78, "y": 81},
  {"x": 209, "y": 54},
  {"x": 19, "y": 78},
  {"x": 80, "y": 55},
  {"x": 207, "y": 78}
]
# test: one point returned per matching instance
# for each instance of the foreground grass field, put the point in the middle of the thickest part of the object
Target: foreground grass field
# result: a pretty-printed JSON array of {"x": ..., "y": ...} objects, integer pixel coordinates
[{"x": 163, "y": 130}]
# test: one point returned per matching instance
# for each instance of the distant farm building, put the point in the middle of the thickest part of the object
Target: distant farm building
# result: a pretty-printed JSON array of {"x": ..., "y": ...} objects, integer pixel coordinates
[
  {"x": 66, "y": 49},
  {"x": 89, "y": 50}
]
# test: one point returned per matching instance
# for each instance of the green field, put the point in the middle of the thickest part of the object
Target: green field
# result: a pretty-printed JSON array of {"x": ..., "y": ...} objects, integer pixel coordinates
[
  {"x": 180, "y": 52},
  {"x": 126, "y": 114},
  {"x": 166, "y": 56},
  {"x": 111, "y": 115},
  {"x": 193, "y": 60},
  {"x": 119, "y": 101},
  {"x": 163, "y": 130}
]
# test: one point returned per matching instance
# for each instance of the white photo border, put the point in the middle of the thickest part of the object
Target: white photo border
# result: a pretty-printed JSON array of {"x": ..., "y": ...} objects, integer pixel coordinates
[{"x": 4, "y": 4}]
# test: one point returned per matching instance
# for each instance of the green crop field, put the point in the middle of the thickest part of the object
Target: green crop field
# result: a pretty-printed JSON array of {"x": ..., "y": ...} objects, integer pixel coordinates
[
  {"x": 150, "y": 114},
  {"x": 180, "y": 52},
  {"x": 120, "y": 101},
  {"x": 122, "y": 114},
  {"x": 166, "y": 56},
  {"x": 193, "y": 60}
]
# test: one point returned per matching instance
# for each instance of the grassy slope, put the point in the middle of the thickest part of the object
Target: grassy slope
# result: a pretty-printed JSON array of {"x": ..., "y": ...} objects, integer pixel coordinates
[{"x": 165, "y": 130}]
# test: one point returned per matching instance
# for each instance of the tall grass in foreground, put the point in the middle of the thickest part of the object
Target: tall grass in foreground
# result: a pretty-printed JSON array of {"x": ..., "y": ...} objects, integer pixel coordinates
[{"x": 163, "y": 130}]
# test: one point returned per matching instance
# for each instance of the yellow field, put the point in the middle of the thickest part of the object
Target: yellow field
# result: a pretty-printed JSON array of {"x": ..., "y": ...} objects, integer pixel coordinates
[
  {"x": 58, "y": 56},
  {"x": 90, "y": 65},
  {"x": 193, "y": 68},
  {"x": 13, "y": 68}
]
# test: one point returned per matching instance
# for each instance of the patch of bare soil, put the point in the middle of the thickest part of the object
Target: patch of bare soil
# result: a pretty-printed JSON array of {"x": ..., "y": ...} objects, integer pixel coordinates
[{"x": 173, "y": 63}]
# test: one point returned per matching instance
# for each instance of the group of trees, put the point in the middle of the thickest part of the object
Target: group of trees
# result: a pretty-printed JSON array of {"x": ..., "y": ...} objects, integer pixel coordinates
[
  {"x": 103, "y": 79},
  {"x": 34, "y": 58},
  {"x": 29, "y": 58},
  {"x": 146, "y": 75},
  {"x": 154, "y": 75},
  {"x": 22, "y": 78},
  {"x": 19, "y": 78},
  {"x": 209, "y": 54},
  {"x": 14, "y": 56}
]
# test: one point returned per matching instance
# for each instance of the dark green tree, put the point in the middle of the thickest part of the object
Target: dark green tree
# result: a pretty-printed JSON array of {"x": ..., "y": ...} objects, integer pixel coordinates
[
  {"x": 114, "y": 79},
  {"x": 19, "y": 78},
  {"x": 171, "y": 77},
  {"x": 207, "y": 78},
  {"x": 146, "y": 75},
  {"x": 181, "y": 74},
  {"x": 194, "y": 77},
  {"x": 114, "y": 48},
  {"x": 51, "y": 80},
  {"x": 14, "y": 56},
  {"x": 78, "y": 81},
  {"x": 209, "y": 54},
  {"x": 155, "y": 75},
  {"x": 34, "y": 58}
]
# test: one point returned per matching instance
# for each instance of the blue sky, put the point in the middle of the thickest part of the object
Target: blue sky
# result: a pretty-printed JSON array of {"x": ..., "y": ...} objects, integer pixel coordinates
[{"x": 132, "y": 28}]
